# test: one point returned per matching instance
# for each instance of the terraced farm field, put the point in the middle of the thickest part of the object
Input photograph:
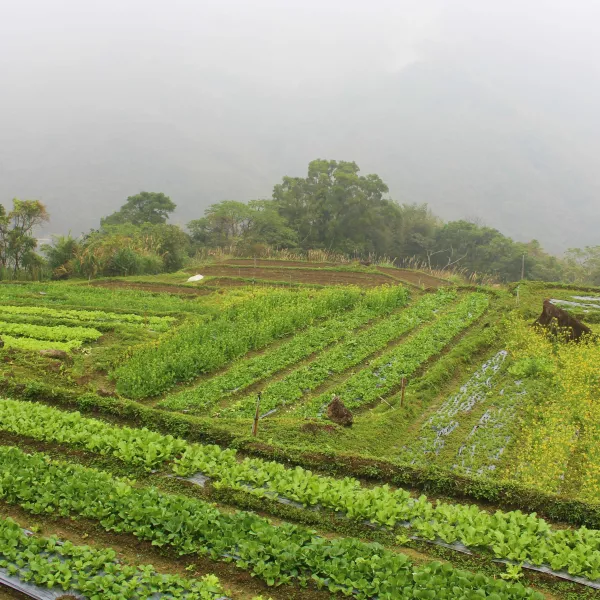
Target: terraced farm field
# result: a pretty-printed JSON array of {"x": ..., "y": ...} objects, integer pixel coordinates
[{"x": 132, "y": 464}]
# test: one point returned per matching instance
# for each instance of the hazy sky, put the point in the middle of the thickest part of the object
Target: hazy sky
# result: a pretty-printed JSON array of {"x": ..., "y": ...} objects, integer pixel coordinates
[{"x": 207, "y": 100}]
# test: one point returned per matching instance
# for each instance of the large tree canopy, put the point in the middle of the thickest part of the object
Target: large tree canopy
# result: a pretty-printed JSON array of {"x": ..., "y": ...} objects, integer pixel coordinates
[
  {"x": 145, "y": 207},
  {"x": 334, "y": 207}
]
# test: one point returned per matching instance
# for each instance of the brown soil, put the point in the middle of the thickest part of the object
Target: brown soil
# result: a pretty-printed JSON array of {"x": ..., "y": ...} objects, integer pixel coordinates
[
  {"x": 315, "y": 428},
  {"x": 300, "y": 275},
  {"x": 415, "y": 277},
  {"x": 260, "y": 262},
  {"x": 152, "y": 287},
  {"x": 226, "y": 282},
  {"x": 7, "y": 593}
]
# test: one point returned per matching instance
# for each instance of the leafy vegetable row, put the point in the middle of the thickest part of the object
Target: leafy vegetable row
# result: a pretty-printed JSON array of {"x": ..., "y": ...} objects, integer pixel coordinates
[
  {"x": 505, "y": 535},
  {"x": 351, "y": 352},
  {"x": 59, "y": 333},
  {"x": 508, "y": 535},
  {"x": 24, "y": 343},
  {"x": 276, "y": 554},
  {"x": 376, "y": 302},
  {"x": 385, "y": 373},
  {"x": 92, "y": 572},
  {"x": 70, "y": 322},
  {"x": 95, "y": 298},
  {"x": 133, "y": 446},
  {"x": 201, "y": 347},
  {"x": 158, "y": 323}
]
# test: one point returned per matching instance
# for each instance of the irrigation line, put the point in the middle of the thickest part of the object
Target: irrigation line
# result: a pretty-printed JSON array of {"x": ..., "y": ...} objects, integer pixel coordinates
[{"x": 200, "y": 479}]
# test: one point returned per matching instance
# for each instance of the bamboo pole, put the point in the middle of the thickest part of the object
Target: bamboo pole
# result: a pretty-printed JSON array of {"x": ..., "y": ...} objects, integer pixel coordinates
[{"x": 256, "y": 416}]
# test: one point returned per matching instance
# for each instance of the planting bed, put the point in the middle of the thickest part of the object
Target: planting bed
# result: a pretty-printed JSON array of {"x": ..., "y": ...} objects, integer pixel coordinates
[
  {"x": 329, "y": 276},
  {"x": 478, "y": 434}
]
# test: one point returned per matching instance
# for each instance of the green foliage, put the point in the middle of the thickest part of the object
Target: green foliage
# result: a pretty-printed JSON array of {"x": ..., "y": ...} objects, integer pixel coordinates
[
  {"x": 198, "y": 348},
  {"x": 435, "y": 480},
  {"x": 34, "y": 345},
  {"x": 248, "y": 371},
  {"x": 59, "y": 333},
  {"x": 48, "y": 296},
  {"x": 385, "y": 373},
  {"x": 584, "y": 265},
  {"x": 335, "y": 207},
  {"x": 230, "y": 223},
  {"x": 479, "y": 249},
  {"x": 350, "y": 352},
  {"x": 17, "y": 243},
  {"x": 276, "y": 554},
  {"x": 534, "y": 366},
  {"x": 96, "y": 573},
  {"x": 85, "y": 316},
  {"x": 506, "y": 535},
  {"x": 513, "y": 573},
  {"x": 120, "y": 250},
  {"x": 60, "y": 252},
  {"x": 134, "y": 446},
  {"x": 145, "y": 207}
]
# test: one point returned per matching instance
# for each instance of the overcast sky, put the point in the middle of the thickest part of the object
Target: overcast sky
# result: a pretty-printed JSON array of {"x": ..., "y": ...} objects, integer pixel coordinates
[{"x": 78, "y": 75}]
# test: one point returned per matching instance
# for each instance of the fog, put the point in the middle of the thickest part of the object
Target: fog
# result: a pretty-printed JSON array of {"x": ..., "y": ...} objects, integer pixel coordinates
[{"x": 483, "y": 109}]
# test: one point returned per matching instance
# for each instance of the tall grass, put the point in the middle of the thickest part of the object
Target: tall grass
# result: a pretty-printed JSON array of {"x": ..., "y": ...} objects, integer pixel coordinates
[{"x": 33, "y": 274}]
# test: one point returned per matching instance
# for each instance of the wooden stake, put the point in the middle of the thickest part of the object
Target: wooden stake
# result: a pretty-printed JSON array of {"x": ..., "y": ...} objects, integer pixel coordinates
[{"x": 256, "y": 416}]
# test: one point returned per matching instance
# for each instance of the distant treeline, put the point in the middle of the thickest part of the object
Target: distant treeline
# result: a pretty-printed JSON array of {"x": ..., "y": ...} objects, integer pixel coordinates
[{"x": 333, "y": 208}]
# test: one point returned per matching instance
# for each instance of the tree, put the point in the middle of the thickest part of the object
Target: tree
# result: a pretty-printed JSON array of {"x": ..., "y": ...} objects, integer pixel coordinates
[
  {"x": 334, "y": 207},
  {"x": 268, "y": 227},
  {"x": 224, "y": 223},
  {"x": 145, "y": 207},
  {"x": 583, "y": 265},
  {"x": 119, "y": 250},
  {"x": 17, "y": 244},
  {"x": 416, "y": 233},
  {"x": 60, "y": 253},
  {"x": 232, "y": 223}
]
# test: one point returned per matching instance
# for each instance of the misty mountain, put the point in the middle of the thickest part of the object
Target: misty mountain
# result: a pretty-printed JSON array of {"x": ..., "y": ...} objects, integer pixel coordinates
[{"x": 433, "y": 131}]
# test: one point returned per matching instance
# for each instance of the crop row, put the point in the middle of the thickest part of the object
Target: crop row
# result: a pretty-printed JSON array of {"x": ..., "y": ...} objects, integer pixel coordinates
[
  {"x": 201, "y": 347},
  {"x": 433, "y": 433},
  {"x": 246, "y": 372},
  {"x": 91, "y": 316},
  {"x": 505, "y": 535},
  {"x": 67, "y": 322},
  {"x": 59, "y": 333},
  {"x": 487, "y": 442},
  {"x": 92, "y": 572},
  {"x": 276, "y": 554},
  {"x": 24, "y": 343},
  {"x": 351, "y": 352},
  {"x": 385, "y": 373},
  {"x": 65, "y": 294}
]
